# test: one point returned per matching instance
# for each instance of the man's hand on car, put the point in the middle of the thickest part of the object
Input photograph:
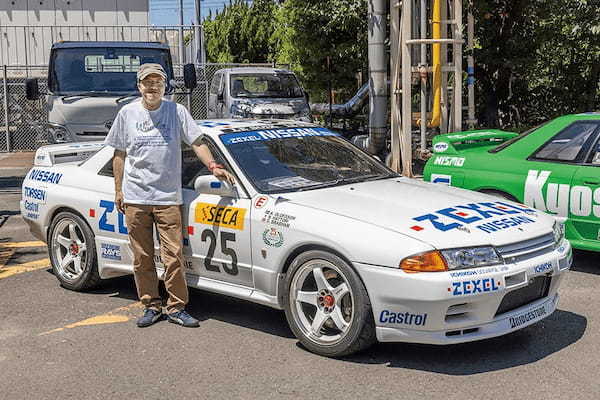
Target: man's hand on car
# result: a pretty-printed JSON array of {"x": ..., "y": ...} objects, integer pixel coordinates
[
  {"x": 224, "y": 175},
  {"x": 119, "y": 202}
]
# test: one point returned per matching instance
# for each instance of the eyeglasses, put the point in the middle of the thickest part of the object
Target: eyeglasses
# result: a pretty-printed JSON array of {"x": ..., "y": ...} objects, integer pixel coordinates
[{"x": 149, "y": 83}]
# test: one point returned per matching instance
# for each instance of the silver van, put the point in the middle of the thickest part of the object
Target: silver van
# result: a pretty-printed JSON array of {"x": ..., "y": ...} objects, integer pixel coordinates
[{"x": 259, "y": 93}]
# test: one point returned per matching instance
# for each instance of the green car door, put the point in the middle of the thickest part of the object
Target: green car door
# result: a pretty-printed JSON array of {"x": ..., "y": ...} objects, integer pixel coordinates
[{"x": 585, "y": 218}]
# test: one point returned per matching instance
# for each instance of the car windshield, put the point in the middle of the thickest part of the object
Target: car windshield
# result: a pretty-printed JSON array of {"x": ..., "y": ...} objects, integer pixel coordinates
[
  {"x": 265, "y": 85},
  {"x": 101, "y": 70},
  {"x": 296, "y": 159}
]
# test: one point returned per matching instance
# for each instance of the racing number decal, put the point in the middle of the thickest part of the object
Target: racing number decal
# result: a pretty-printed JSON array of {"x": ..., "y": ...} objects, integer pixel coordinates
[
  {"x": 225, "y": 237},
  {"x": 109, "y": 207}
]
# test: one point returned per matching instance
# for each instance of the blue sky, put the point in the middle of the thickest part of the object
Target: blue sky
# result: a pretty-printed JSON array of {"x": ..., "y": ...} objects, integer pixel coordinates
[{"x": 166, "y": 12}]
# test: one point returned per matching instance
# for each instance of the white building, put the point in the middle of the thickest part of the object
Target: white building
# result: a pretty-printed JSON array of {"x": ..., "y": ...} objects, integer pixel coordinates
[{"x": 29, "y": 27}]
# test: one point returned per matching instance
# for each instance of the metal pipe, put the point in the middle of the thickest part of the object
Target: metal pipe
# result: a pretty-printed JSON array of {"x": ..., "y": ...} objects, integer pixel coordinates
[
  {"x": 378, "y": 99},
  {"x": 348, "y": 109},
  {"x": 471, "y": 70},
  {"x": 406, "y": 132},
  {"x": 6, "y": 125},
  {"x": 436, "y": 32},
  {"x": 181, "y": 50},
  {"x": 457, "y": 53},
  {"x": 396, "y": 119},
  {"x": 423, "y": 12}
]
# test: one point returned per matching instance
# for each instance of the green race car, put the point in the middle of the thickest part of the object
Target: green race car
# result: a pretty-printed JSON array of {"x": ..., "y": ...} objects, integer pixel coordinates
[{"x": 554, "y": 168}]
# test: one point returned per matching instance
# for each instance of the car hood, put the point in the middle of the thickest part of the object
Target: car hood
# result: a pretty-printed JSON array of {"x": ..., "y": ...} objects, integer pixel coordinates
[{"x": 441, "y": 216}]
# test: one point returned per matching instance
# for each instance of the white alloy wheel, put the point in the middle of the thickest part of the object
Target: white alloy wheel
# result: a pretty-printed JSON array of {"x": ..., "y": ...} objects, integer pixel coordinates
[
  {"x": 327, "y": 305},
  {"x": 72, "y": 252}
]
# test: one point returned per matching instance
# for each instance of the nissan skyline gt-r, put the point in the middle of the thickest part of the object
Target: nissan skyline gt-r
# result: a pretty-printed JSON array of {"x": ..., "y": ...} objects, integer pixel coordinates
[
  {"x": 351, "y": 251},
  {"x": 553, "y": 168}
]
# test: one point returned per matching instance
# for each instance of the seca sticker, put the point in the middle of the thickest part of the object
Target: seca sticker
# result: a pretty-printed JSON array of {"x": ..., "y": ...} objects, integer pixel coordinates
[{"x": 213, "y": 214}]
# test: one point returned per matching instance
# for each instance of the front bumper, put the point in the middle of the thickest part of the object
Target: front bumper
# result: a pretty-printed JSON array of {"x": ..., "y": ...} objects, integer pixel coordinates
[{"x": 466, "y": 305}]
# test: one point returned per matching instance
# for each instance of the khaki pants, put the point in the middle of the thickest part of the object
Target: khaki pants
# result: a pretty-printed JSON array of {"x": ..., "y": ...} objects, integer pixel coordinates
[{"x": 140, "y": 219}]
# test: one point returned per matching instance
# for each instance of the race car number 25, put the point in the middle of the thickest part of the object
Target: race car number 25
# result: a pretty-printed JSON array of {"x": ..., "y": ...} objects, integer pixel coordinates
[{"x": 209, "y": 235}]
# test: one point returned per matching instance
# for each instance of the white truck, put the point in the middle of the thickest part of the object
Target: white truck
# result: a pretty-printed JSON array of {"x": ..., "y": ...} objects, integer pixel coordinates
[
  {"x": 258, "y": 93},
  {"x": 89, "y": 82}
]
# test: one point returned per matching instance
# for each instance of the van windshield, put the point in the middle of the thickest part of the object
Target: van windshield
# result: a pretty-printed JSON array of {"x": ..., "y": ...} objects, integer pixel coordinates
[
  {"x": 101, "y": 69},
  {"x": 265, "y": 85}
]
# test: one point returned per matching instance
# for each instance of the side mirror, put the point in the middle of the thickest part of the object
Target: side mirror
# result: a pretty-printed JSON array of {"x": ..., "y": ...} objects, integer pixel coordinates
[
  {"x": 189, "y": 76},
  {"x": 208, "y": 184},
  {"x": 307, "y": 97},
  {"x": 32, "y": 89},
  {"x": 220, "y": 97}
]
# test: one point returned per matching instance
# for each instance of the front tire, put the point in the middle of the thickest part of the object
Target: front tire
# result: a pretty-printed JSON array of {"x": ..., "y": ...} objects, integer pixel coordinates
[
  {"x": 327, "y": 306},
  {"x": 73, "y": 252}
]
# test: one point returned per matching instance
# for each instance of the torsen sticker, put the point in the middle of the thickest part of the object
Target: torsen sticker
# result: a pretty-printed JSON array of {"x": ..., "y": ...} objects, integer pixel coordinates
[{"x": 216, "y": 215}]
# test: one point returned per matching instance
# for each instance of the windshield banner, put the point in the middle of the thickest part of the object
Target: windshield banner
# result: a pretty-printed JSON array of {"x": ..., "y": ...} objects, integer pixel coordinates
[{"x": 269, "y": 134}]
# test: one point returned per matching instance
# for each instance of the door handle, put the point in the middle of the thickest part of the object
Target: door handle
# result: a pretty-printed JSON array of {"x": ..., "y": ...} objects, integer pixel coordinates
[{"x": 592, "y": 182}]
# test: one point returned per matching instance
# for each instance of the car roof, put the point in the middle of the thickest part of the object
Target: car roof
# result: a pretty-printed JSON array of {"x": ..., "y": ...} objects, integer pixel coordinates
[
  {"x": 80, "y": 44},
  {"x": 216, "y": 127}
]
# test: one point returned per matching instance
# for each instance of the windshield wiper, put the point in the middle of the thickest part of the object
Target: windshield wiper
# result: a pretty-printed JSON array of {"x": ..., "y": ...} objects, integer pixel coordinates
[
  {"x": 126, "y": 96},
  {"x": 94, "y": 93}
]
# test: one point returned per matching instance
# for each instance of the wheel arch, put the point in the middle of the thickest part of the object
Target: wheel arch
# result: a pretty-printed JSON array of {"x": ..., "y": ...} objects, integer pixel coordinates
[
  {"x": 302, "y": 249},
  {"x": 60, "y": 209}
]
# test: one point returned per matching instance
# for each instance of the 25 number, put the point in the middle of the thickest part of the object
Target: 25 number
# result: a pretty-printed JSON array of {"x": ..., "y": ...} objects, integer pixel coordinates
[{"x": 209, "y": 235}]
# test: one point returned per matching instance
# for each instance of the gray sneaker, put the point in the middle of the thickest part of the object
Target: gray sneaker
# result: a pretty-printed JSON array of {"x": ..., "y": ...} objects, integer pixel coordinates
[
  {"x": 184, "y": 319},
  {"x": 150, "y": 317}
]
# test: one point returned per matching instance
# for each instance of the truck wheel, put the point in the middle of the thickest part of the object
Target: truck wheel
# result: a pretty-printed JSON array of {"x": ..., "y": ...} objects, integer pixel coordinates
[
  {"x": 327, "y": 305},
  {"x": 73, "y": 252}
]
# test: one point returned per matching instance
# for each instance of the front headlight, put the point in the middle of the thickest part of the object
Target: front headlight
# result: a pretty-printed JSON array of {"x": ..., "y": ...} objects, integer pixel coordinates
[
  {"x": 57, "y": 133},
  {"x": 559, "y": 232},
  {"x": 471, "y": 257}
]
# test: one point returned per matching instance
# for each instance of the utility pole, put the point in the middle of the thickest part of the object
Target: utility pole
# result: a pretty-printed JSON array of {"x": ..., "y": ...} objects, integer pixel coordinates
[
  {"x": 199, "y": 35},
  {"x": 181, "y": 41}
]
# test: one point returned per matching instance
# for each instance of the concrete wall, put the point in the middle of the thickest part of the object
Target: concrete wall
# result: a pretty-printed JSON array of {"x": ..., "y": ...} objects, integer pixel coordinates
[{"x": 29, "y": 27}]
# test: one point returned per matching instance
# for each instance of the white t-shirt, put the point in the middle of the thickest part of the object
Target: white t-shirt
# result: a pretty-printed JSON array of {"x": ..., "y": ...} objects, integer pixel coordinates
[{"x": 152, "y": 140}]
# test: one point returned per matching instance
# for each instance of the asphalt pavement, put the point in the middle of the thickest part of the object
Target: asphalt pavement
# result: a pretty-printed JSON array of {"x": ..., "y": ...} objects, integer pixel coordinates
[{"x": 59, "y": 344}]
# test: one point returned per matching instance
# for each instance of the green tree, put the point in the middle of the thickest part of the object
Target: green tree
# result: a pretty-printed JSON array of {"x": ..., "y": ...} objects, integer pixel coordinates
[
  {"x": 536, "y": 59},
  {"x": 309, "y": 31},
  {"x": 240, "y": 33}
]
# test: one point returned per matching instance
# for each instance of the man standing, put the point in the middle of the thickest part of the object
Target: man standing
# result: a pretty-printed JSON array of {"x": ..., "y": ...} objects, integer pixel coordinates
[{"x": 146, "y": 136}]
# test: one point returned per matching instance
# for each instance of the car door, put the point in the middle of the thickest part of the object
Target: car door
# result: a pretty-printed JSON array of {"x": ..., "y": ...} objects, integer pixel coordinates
[
  {"x": 217, "y": 229},
  {"x": 585, "y": 194},
  {"x": 551, "y": 168}
]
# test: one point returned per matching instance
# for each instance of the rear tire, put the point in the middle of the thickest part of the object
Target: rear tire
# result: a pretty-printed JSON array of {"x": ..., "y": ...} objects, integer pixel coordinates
[
  {"x": 73, "y": 252},
  {"x": 327, "y": 306}
]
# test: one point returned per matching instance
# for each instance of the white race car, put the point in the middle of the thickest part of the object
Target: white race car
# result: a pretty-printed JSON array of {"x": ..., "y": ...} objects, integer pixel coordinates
[{"x": 350, "y": 250}]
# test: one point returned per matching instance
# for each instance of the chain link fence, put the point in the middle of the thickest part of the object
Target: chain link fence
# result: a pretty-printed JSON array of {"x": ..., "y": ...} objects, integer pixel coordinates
[{"x": 24, "y": 123}]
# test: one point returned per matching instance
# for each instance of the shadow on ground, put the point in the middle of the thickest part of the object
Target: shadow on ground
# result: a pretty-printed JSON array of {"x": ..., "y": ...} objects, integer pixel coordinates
[
  {"x": 586, "y": 261},
  {"x": 526, "y": 346},
  {"x": 206, "y": 306}
]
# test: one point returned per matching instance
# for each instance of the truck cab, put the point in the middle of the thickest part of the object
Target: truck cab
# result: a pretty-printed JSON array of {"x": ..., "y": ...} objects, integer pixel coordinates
[
  {"x": 259, "y": 93},
  {"x": 89, "y": 82}
]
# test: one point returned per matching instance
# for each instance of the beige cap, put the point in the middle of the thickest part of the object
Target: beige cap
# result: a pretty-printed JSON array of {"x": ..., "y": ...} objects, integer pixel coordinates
[{"x": 150, "y": 68}]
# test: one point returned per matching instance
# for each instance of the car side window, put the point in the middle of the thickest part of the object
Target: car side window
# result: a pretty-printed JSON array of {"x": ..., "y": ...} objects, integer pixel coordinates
[
  {"x": 192, "y": 167},
  {"x": 107, "y": 170},
  {"x": 594, "y": 157},
  {"x": 570, "y": 144}
]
